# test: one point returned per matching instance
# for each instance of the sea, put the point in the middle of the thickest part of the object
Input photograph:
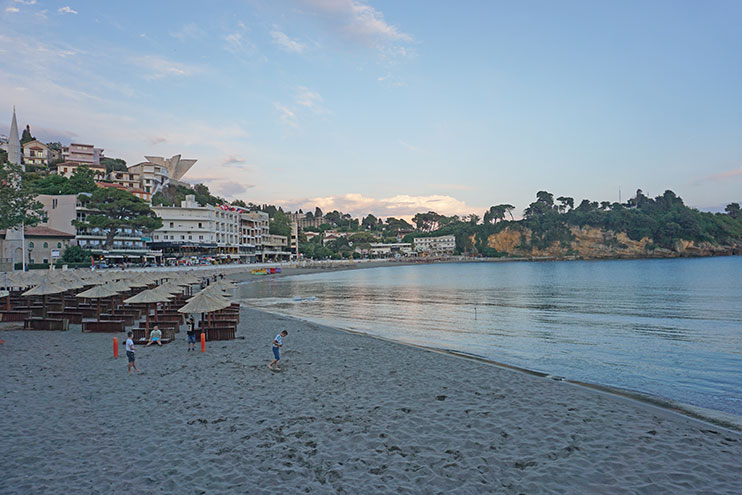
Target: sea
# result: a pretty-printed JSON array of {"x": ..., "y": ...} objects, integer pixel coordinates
[{"x": 669, "y": 328}]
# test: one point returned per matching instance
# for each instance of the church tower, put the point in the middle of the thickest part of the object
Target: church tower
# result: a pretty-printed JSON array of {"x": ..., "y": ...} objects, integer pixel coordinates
[{"x": 14, "y": 143}]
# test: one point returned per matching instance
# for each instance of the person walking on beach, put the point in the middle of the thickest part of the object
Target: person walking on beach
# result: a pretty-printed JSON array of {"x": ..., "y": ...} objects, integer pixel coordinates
[
  {"x": 130, "y": 353},
  {"x": 191, "y": 333},
  {"x": 277, "y": 344}
]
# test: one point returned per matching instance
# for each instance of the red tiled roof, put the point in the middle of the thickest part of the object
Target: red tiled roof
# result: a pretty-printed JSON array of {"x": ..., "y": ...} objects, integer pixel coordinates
[{"x": 41, "y": 231}]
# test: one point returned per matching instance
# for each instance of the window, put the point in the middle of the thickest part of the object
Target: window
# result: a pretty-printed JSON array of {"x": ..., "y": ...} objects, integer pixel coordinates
[
  {"x": 190, "y": 237},
  {"x": 157, "y": 237},
  {"x": 46, "y": 260},
  {"x": 30, "y": 245},
  {"x": 54, "y": 203},
  {"x": 46, "y": 245},
  {"x": 59, "y": 245},
  {"x": 200, "y": 225},
  {"x": 171, "y": 225},
  {"x": 200, "y": 238}
]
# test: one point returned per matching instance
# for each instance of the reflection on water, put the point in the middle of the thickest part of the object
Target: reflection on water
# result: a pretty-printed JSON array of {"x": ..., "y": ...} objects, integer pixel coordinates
[{"x": 672, "y": 328}]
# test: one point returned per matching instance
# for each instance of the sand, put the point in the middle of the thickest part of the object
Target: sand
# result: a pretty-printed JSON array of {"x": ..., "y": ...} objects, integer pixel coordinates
[{"x": 347, "y": 414}]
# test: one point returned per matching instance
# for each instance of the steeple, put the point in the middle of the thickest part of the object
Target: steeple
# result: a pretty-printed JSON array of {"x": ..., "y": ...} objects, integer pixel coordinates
[{"x": 14, "y": 142}]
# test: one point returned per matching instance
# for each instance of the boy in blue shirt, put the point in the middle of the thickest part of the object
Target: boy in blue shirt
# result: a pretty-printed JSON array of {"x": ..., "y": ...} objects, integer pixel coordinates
[{"x": 277, "y": 344}]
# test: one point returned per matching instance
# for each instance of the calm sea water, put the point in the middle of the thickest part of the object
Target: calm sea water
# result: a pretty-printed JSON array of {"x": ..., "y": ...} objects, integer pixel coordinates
[{"x": 671, "y": 328}]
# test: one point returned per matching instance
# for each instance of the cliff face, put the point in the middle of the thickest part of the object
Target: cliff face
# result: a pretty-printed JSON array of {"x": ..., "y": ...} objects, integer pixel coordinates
[{"x": 594, "y": 243}]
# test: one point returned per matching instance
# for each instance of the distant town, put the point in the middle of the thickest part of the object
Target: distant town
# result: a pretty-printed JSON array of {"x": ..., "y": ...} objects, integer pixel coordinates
[{"x": 196, "y": 227}]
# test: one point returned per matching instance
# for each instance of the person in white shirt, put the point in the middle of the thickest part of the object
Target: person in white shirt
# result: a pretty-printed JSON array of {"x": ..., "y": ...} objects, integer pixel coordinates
[
  {"x": 277, "y": 344},
  {"x": 130, "y": 353}
]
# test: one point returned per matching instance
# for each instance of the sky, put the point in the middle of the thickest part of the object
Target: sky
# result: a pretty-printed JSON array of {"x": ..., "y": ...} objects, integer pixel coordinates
[{"x": 392, "y": 107}]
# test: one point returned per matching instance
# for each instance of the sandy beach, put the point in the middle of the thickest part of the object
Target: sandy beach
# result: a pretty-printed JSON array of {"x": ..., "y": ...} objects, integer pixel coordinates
[{"x": 347, "y": 414}]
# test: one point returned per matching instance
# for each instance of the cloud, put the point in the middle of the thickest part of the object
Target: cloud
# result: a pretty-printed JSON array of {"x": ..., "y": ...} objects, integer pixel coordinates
[
  {"x": 357, "y": 21},
  {"x": 233, "y": 160},
  {"x": 287, "y": 115},
  {"x": 220, "y": 186},
  {"x": 285, "y": 43},
  {"x": 66, "y": 10},
  {"x": 409, "y": 146},
  {"x": 722, "y": 176},
  {"x": 403, "y": 205},
  {"x": 160, "y": 67},
  {"x": 26, "y": 2},
  {"x": 188, "y": 31},
  {"x": 12, "y": 10},
  {"x": 155, "y": 140}
]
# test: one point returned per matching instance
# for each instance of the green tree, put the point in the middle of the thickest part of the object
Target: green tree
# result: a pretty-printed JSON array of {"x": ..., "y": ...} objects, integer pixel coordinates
[
  {"x": 116, "y": 210},
  {"x": 280, "y": 224},
  {"x": 76, "y": 254},
  {"x": 317, "y": 212},
  {"x": 82, "y": 180},
  {"x": 239, "y": 203},
  {"x": 733, "y": 210},
  {"x": 370, "y": 222},
  {"x": 114, "y": 164},
  {"x": 18, "y": 203},
  {"x": 26, "y": 137}
]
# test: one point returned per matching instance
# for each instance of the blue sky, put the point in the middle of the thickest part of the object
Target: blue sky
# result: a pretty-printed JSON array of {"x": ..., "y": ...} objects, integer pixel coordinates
[{"x": 392, "y": 107}]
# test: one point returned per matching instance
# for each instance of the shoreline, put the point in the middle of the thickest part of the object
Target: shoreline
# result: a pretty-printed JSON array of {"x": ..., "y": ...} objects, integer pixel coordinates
[{"x": 710, "y": 417}]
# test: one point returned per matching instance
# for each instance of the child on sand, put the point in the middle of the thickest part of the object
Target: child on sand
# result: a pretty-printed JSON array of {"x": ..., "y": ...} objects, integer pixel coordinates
[
  {"x": 277, "y": 344},
  {"x": 155, "y": 337},
  {"x": 191, "y": 333},
  {"x": 130, "y": 353}
]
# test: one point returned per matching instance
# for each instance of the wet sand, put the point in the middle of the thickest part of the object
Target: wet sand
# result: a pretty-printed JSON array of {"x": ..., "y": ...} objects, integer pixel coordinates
[{"x": 347, "y": 414}]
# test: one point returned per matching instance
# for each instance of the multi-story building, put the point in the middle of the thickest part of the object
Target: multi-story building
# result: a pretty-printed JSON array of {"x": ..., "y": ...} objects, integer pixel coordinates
[
  {"x": 303, "y": 220},
  {"x": 66, "y": 169},
  {"x": 125, "y": 178},
  {"x": 151, "y": 176},
  {"x": 35, "y": 153},
  {"x": 255, "y": 227},
  {"x": 436, "y": 246},
  {"x": 275, "y": 248},
  {"x": 192, "y": 230},
  {"x": 129, "y": 245},
  {"x": 82, "y": 153}
]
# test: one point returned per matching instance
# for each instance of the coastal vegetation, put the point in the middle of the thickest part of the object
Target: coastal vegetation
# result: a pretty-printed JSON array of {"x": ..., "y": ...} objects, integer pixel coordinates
[{"x": 642, "y": 226}]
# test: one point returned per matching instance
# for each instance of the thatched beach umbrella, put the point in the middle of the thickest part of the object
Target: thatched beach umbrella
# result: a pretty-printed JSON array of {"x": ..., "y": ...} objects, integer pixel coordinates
[
  {"x": 44, "y": 289},
  {"x": 98, "y": 292},
  {"x": 204, "y": 302},
  {"x": 148, "y": 297}
]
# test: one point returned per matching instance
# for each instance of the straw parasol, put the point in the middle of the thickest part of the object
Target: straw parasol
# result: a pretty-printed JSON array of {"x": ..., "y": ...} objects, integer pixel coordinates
[
  {"x": 147, "y": 297},
  {"x": 98, "y": 292},
  {"x": 204, "y": 302},
  {"x": 44, "y": 289}
]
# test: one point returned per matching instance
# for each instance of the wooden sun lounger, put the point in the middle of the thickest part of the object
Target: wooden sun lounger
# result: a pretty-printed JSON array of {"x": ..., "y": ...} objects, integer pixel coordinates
[
  {"x": 45, "y": 324},
  {"x": 103, "y": 326},
  {"x": 72, "y": 316},
  {"x": 14, "y": 315},
  {"x": 218, "y": 333}
]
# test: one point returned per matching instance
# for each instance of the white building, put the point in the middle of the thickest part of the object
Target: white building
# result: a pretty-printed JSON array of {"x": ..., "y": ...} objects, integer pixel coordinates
[
  {"x": 193, "y": 230},
  {"x": 83, "y": 153},
  {"x": 436, "y": 246},
  {"x": 150, "y": 176},
  {"x": 35, "y": 153},
  {"x": 255, "y": 229},
  {"x": 66, "y": 169}
]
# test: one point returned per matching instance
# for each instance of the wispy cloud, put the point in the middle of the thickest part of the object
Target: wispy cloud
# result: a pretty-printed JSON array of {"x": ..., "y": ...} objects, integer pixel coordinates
[
  {"x": 357, "y": 21},
  {"x": 66, "y": 10},
  {"x": 409, "y": 146},
  {"x": 232, "y": 160},
  {"x": 721, "y": 176},
  {"x": 285, "y": 43},
  {"x": 12, "y": 10},
  {"x": 404, "y": 206},
  {"x": 158, "y": 67},
  {"x": 287, "y": 115},
  {"x": 188, "y": 31},
  {"x": 26, "y": 2}
]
